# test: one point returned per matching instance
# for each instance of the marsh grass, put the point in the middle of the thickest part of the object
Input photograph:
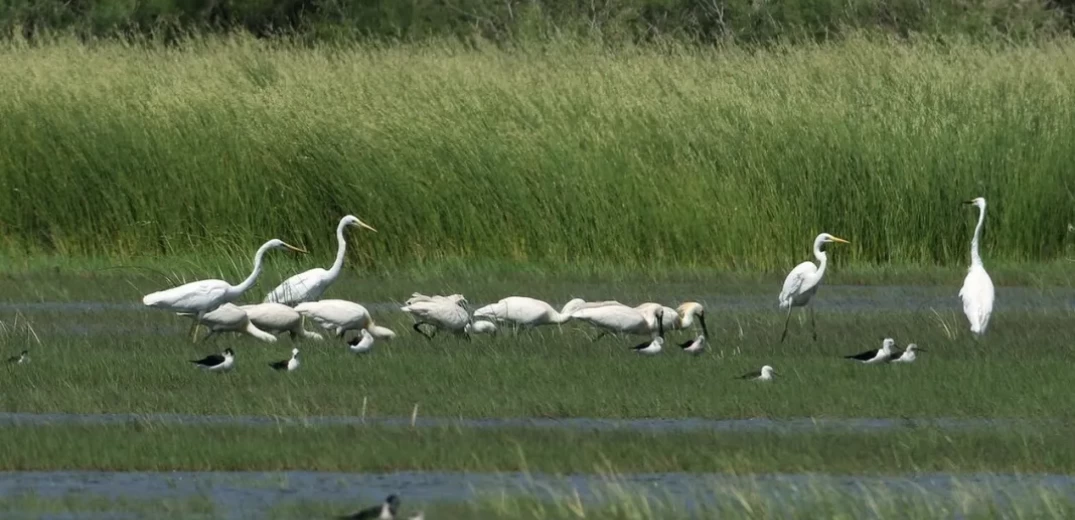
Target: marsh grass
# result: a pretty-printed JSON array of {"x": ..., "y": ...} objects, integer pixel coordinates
[
  {"x": 153, "y": 446},
  {"x": 103, "y": 360},
  {"x": 561, "y": 154}
]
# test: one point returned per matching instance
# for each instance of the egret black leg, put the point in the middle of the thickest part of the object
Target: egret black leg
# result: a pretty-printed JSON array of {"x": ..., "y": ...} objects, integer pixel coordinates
[{"x": 786, "y": 321}]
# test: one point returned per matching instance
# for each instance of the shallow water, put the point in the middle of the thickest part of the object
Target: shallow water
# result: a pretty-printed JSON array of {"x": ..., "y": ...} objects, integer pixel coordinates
[
  {"x": 793, "y": 425},
  {"x": 253, "y": 494}
]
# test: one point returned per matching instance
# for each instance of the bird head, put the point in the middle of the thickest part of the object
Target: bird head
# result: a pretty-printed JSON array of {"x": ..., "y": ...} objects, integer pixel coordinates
[
  {"x": 977, "y": 201},
  {"x": 767, "y": 371},
  {"x": 351, "y": 220},
  {"x": 276, "y": 243},
  {"x": 888, "y": 344},
  {"x": 691, "y": 310},
  {"x": 228, "y": 352},
  {"x": 294, "y": 352}
]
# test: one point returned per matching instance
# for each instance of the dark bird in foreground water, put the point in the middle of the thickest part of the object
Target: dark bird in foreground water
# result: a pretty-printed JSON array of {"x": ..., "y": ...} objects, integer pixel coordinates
[
  {"x": 216, "y": 362},
  {"x": 385, "y": 511},
  {"x": 20, "y": 359}
]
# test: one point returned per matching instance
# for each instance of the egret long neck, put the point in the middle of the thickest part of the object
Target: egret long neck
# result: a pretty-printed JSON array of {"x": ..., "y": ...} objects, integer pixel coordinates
[
  {"x": 975, "y": 257},
  {"x": 822, "y": 258},
  {"x": 341, "y": 250},
  {"x": 237, "y": 290}
]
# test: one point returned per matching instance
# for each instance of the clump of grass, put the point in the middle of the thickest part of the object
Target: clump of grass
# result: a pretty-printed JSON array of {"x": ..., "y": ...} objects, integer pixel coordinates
[{"x": 712, "y": 158}]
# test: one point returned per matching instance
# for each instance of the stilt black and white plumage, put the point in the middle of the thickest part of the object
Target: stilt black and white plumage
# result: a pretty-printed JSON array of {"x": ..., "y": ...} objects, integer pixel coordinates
[
  {"x": 21, "y": 359},
  {"x": 362, "y": 343},
  {"x": 694, "y": 346},
  {"x": 907, "y": 356},
  {"x": 385, "y": 511},
  {"x": 653, "y": 347},
  {"x": 217, "y": 362},
  {"x": 875, "y": 356},
  {"x": 288, "y": 365},
  {"x": 765, "y": 374}
]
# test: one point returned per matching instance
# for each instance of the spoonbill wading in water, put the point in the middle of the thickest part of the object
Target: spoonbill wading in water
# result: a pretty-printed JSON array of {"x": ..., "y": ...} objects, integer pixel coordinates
[
  {"x": 200, "y": 297},
  {"x": 977, "y": 291},
  {"x": 803, "y": 281},
  {"x": 308, "y": 286}
]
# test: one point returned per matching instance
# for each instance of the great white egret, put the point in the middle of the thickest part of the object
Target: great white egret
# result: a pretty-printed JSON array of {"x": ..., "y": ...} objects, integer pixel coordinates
[
  {"x": 977, "y": 291},
  {"x": 217, "y": 362},
  {"x": 340, "y": 316},
  {"x": 441, "y": 314},
  {"x": 907, "y": 356},
  {"x": 202, "y": 296},
  {"x": 310, "y": 285},
  {"x": 277, "y": 318},
  {"x": 803, "y": 281},
  {"x": 289, "y": 365},
  {"x": 875, "y": 355},
  {"x": 527, "y": 312},
  {"x": 765, "y": 374},
  {"x": 231, "y": 318}
]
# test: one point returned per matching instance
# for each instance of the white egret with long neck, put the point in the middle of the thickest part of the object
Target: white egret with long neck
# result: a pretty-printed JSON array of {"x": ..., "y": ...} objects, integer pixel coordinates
[
  {"x": 977, "y": 292},
  {"x": 803, "y": 281},
  {"x": 308, "y": 286},
  {"x": 200, "y": 297}
]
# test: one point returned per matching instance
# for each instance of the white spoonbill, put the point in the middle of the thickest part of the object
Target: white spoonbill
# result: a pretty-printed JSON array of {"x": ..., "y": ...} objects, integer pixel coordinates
[
  {"x": 310, "y": 285},
  {"x": 527, "y": 312},
  {"x": 617, "y": 319},
  {"x": 277, "y": 318},
  {"x": 977, "y": 291},
  {"x": 339, "y": 316},
  {"x": 202, "y": 296},
  {"x": 457, "y": 299},
  {"x": 441, "y": 314},
  {"x": 803, "y": 281},
  {"x": 231, "y": 318}
]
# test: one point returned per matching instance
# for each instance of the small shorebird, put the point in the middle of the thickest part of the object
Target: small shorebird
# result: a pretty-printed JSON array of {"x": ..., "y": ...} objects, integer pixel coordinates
[
  {"x": 765, "y": 374},
  {"x": 288, "y": 364},
  {"x": 694, "y": 346},
  {"x": 362, "y": 343},
  {"x": 385, "y": 511},
  {"x": 20, "y": 359},
  {"x": 874, "y": 356},
  {"x": 907, "y": 356},
  {"x": 217, "y": 362},
  {"x": 653, "y": 347}
]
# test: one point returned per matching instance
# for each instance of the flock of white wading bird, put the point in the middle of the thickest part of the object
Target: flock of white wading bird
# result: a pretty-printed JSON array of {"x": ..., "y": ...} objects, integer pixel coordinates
[{"x": 208, "y": 302}]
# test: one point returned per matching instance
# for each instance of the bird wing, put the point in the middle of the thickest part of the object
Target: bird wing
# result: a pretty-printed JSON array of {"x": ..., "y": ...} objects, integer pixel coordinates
[
  {"x": 13, "y": 359},
  {"x": 212, "y": 359},
  {"x": 750, "y": 375},
  {"x": 793, "y": 284},
  {"x": 642, "y": 345},
  {"x": 279, "y": 365},
  {"x": 687, "y": 343},
  {"x": 863, "y": 356},
  {"x": 305, "y": 286}
]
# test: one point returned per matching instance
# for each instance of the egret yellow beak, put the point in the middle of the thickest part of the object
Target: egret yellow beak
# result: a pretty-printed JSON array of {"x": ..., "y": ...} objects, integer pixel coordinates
[
  {"x": 295, "y": 249},
  {"x": 840, "y": 240},
  {"x": 367, "y": 226}
]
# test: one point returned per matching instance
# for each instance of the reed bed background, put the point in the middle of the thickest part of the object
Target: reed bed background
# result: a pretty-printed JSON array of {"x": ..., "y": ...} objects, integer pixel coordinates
[{"x": 560, "y": 154}]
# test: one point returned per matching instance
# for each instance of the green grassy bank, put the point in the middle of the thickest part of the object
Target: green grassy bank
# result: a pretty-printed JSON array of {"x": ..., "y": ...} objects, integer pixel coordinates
[
  {"x": 563, "y": 154},
  {"x": 150, "y": 446}
]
